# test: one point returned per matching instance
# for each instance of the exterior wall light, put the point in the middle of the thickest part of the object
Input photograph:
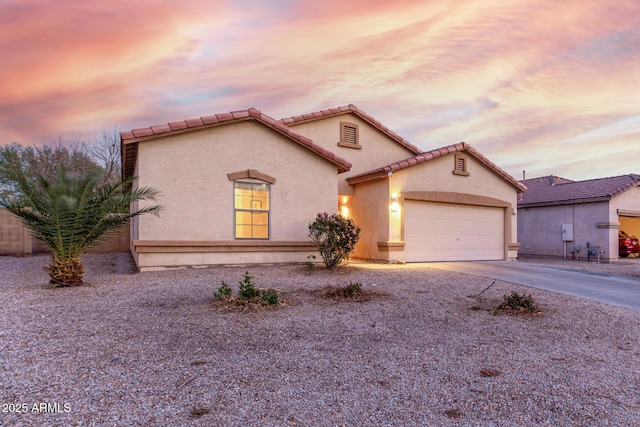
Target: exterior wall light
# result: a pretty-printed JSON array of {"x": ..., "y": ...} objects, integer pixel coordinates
[
  {"x": 344, "y": 209},
  {"x": 395, "y": 206}
]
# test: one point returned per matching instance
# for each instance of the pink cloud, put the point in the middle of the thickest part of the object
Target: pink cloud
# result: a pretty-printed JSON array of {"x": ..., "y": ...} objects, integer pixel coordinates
[{"x": 507, "y": 77}]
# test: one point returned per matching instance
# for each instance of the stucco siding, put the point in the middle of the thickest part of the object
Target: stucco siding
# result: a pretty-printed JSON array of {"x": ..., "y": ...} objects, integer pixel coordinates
[
  {"x": 191, "y": 171},
  {"x": 430, "y": 181},
  {"x": 437, "y": 176},
  {"x": 625, "y": 208},
  {"x": 370, "y": 210},
  {"x": 626, "y": 201},
  {"x": 168, "y": 260},
  {"x": 597, "y": 223},
  {"x": 377, "y": 148},
  {"x": 540, "y": 229}
]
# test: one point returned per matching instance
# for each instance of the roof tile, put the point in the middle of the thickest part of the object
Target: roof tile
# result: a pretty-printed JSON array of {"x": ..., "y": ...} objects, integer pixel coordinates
[
  {"x": 306, "y": 140},
  {"x": 224, "y": 116},
  {"x": 142, "y": 132},
  {"x": 192, "y": 123},
  {"x": 160, "y": 129},
  {"x": 132, "y": 137},
  {"x": 209, "y": 120},
  {"x": 429, "y": 155},
  {"x": 126, "y": 134},
  {"x": 177, "y": 125},
  {"x": 351, "y": 109},
  {"x": 553, "y": 190},
  {"x": 240, "y": 114}
]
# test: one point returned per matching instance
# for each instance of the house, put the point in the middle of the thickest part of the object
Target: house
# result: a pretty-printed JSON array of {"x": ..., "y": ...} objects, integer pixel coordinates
[
  {"x": 242, "y": 187},
  {"x": 558, "y": 216}
]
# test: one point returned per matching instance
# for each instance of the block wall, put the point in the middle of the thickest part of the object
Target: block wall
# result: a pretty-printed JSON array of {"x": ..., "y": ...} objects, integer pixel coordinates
[{"x": 16, "y": 240}]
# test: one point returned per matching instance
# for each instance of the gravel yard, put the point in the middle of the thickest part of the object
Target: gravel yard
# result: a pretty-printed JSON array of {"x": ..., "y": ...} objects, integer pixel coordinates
[{"x": 153, "y": 349}]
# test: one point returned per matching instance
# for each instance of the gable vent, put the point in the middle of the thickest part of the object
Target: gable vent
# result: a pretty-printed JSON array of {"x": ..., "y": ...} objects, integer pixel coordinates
[
  {"x": 460, "y": 165},
  {"x": 350, "y": 135}
]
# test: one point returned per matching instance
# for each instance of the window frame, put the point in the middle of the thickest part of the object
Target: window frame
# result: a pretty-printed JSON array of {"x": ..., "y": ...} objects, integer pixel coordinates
[{"x": 236, "y": 209}]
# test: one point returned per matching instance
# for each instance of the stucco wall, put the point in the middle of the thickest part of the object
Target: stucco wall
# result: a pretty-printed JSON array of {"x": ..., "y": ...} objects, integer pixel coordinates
[
  {"x": 598, "y": 223},
  {"x": 540, "y": 229},
  {"x": 437, "y": 175},
  {"x": 377, "y": 148},
  {"x": 191, "y": 171},
  {"x": 626, "y": 207},
  {"x": 370, "y": 210},
  {"x": 434, "y": 180},
  {"x": 628, "y": 201}
]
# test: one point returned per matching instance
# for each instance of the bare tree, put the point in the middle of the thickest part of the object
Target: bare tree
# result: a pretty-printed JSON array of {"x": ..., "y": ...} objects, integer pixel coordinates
[
  {"x": 79, "y": 156},
  {"x": 105, "y": 150}
]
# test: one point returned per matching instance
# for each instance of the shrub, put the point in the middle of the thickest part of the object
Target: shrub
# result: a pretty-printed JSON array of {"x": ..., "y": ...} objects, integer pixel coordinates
[
  {"x": 223, "y": 292},
  {"x": 270, "y": 297},
  {"x": 248, "y": 295},
  {"x": 516, "y": 302},
  {"x": 309, "y": 262},
  {"x": 335, "y": 236},
  {"x": 350, "y": 292},
  {"x": 353, "y": 290},
  {"x": 247, "y": 289}
]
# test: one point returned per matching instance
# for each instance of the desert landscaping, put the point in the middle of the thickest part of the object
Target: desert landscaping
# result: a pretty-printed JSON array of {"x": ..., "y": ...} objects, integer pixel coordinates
[{"x": 156, "y": 349}]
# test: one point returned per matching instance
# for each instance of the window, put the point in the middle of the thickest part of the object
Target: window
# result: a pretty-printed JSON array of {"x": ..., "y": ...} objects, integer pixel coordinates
[
  {"x": 460, "y": 165},
  {"x": 349, "y": 135},
  {"x": 251, "y": 205}
]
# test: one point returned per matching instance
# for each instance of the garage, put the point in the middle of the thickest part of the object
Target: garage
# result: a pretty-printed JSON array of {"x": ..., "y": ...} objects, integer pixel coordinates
[
  {"x": 630, "y": 224},
  {"x": 453, "y": 232}
]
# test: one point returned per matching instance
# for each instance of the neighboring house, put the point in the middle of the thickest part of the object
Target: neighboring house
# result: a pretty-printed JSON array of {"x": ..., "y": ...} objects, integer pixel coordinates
[
  {"x": 242, "y": 187},
  {"x": 556, "y": 216}
]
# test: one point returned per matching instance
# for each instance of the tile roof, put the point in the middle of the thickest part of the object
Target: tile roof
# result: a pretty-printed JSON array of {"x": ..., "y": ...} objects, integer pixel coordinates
[
  {"x": 553, "y": 190},
  {"x": 351, "y": 109},
  {"x": 129, "y": 139},
  {"x": 433, "y": 154}
]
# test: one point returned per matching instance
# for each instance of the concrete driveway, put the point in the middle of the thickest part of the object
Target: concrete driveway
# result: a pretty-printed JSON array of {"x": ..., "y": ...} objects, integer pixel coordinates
[{"x": 612, "y": 289}]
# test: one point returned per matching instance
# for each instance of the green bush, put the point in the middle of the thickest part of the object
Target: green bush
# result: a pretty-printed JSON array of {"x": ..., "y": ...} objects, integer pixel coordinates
[
  {"x": 248, "y": 294},
  {"x": 309, "y": 262},
  {"x": 335, "y": 236},
  {"x": 247, "y": 290},
  {"x": 270, "y": 297},
  {"x": 352, "y": 290},
  {"x": 223, "y": 292}
]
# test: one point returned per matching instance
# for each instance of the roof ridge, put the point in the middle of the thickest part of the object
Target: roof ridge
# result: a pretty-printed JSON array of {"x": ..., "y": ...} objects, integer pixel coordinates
[
  {"x": 346, "y": 109},
  {"x": 588, "y": 190},
  {"x": 158, "y": 131},
  {"x": 432, "y": 154}
]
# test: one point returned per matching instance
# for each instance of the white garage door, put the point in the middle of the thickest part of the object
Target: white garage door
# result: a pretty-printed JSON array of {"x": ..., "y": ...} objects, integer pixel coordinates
[{"x": 451, "y": 232}]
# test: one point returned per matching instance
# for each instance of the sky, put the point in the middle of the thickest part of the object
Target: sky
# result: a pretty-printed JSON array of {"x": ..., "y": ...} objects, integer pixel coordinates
[{"x": 551, "y": 87}]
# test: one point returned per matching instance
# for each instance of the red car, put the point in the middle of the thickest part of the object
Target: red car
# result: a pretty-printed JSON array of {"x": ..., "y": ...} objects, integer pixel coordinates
[{"x": 627, "y": 244}]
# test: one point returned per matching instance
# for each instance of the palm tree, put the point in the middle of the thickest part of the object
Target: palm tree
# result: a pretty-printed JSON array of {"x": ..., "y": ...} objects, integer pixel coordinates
[{"x": 70, "y": 214}]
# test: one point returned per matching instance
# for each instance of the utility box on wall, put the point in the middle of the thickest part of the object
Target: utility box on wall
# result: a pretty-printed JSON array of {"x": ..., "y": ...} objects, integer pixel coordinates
[{"x": 567, "y": 232}]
